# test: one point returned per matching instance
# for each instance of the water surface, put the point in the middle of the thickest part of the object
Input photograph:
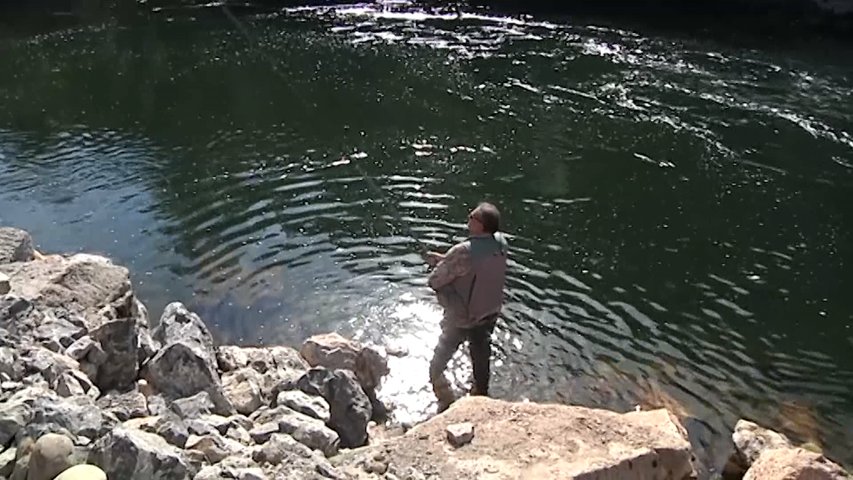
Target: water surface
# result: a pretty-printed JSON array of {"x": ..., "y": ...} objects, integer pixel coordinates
[{"x": 678, "y": 208}]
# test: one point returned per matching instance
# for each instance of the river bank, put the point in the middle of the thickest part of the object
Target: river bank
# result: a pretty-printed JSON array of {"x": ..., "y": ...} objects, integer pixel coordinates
[{"x": 89, "y": 387}]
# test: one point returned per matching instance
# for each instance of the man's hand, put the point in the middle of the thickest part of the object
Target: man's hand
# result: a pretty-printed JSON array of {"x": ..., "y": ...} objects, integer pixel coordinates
[{"x": 432, "y": 258}]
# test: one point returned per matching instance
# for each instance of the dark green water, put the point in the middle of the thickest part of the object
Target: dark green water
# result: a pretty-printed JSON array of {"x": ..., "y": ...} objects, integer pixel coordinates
[{"x": 679, "y": 209}]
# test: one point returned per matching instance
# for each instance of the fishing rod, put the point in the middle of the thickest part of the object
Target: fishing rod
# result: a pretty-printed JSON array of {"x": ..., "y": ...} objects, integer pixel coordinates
[{"x": 395, "y": 213}]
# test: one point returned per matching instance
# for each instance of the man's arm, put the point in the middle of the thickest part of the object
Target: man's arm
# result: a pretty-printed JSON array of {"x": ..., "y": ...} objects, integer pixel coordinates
[{"x": 456, "y": 263}]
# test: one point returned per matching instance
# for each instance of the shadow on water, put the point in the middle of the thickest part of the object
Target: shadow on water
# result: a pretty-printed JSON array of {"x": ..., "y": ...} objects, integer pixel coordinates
[{"x": 677, "y": 208}]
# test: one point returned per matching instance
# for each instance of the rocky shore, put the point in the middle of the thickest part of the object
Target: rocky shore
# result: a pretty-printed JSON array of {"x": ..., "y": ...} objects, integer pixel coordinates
[{"x": 90, "y": 390}]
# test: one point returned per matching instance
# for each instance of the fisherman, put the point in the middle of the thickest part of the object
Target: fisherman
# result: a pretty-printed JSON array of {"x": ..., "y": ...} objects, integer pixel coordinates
[{"x": 469, "y": 283}]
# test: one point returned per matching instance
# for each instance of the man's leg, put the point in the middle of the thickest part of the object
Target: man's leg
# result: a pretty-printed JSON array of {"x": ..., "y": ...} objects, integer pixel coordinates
[
  {"x": 480, "y": 347},
  {"x": 450, "y": 339}
]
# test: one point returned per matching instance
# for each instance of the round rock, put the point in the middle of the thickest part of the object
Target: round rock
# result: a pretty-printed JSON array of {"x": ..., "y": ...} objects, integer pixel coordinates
[
  {"x": 51, "y": 455},
  {"x": 82, "y": 472}
]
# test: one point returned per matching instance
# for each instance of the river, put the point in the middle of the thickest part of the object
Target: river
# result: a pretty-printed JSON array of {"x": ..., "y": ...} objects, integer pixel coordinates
[{"x": 678, "y": 206}]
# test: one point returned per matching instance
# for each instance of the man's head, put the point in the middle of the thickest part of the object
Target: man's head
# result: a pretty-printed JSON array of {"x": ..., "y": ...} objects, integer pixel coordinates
[{"x": 484, "y": 219}]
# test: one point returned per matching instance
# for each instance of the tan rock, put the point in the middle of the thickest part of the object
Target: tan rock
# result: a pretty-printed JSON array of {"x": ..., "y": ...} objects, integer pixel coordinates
[
  {"x": 794, "y": 464},
  {"x": 528, "y": 440},
  {"x": 50, "y": 456},
  {"x": 243, "y": 388},
  {"x": 333, "y": 351},
  {"x": 82, "y": 472}
]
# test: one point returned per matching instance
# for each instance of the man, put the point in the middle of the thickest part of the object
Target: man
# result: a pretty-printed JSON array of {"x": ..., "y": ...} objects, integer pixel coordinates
[{"x": 469, "y": 284}]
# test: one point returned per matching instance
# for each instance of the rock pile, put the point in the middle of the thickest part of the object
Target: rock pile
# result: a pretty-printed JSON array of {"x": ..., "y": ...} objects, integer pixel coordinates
[{"x": 87, "y": 389}]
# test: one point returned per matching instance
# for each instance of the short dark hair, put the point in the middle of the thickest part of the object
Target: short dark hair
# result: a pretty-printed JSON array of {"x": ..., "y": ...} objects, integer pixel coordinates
[{"x": 489, "y": 216}]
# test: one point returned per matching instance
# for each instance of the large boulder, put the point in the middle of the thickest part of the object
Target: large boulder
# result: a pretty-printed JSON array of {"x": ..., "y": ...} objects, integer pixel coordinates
[
  {"x": 529, "y": 440},
  {"x": 186, "y": 364},
  {"x": 332, "y": 351},
  {"x": 350, "y": 408},
  {"x": 794, "y": 464},
  {"x": 129, "y": 454},
  {"x": 15, "y": 245},
  {"x": 50, "y": 456}
]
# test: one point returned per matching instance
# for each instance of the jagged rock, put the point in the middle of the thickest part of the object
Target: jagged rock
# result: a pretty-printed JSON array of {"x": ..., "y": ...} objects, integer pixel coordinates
[
  {"x": 50, "y": 456},
  {"x": 350, "y": 408},
  {"x": 239, "y": 434},
  {"x": 50, "y": 365},
  {"x": 82, "y": 472},
  {"x": 242, "y": 421},
  {"x": 460, "y": 434},
  {"x": 170, "y": 427},
  {"x": 242, "y": 387},
  {"x": 290, "y": 459},
  {"x": 10, "y": 364},
  {"x": 279, "y": 367},
  {"x": 217, "y": 422},
  {"x": 262, "y": 433},
  {"x": 119, "y": 341},
  {"x": 311, "y": 405},
  {"x": 64, "y": 330},
  {"x": 789, "y": 463},
  {"x": 186, "y": 364},
  {"x": 125, "y": 405},
  {"x": 750, "y": 441},
  {"x": 15, "y": 414},
  {"x": 7, "y": 462},
  {"x": 212, "y": 446},
  {"x": 15, "y": 245},
  {"x": 129, "y": 454},
  {"x": 5, "y": 284},
  {"x": 76, "y": 415},
  {"x": 195, "y": 406},
  {"x": 86, "y": 349},
  {"x": 334, "y": 352},
  {"x": 310, "y": 432},
  {"x": 279, "y": 447},
  {"x": 68, "y": 385}
]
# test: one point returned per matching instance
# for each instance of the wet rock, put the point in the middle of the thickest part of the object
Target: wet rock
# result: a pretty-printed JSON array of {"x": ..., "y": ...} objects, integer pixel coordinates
[
  {"x": 350, "y": 408},
  {"x": 186, "y": 364},
  {"x": 460, "y": 434},
  {"x": 5, "y": 284},
  {"x": 136, "y": 455},
  {"x": 7, "y": 462},
  {"x": 789, "y": 463},
  {"x": 242, "y": 387},
  {"x": 82, "y": 472},
  {"x": 50, "y": 456},
  {"x": 311, "y": 405},
  {"x": 15, "y": 245},
  {"x": 125, "y": 405},
  {"x": 332, "y": 351},
  {"x": 193, "y": 407}
]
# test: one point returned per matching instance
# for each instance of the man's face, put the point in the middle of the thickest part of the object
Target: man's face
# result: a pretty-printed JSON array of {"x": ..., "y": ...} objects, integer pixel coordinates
[{"x": 475, "y": 226}]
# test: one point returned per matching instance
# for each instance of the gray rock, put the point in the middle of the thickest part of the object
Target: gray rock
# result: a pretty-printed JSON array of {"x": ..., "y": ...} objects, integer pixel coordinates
[
  {"x": 125, "y": 405},
  {"x": 15, "y": 245},
  {"x": 460, "y": 434},
  {"x": 242, "y": 421},
  {"x": 186, "y": 364},
  {"x": 251, "y": 474},
  {"x": 310, "y": 432},
  {"x": 242, "y": 387},
  {"x": 75, "y": 415},
  {"x": 21, "y": 469},
  {"x": 129, "y": 454},
  {"x": 262, "y": 433},
  {"x": 86, "y": 349},
  {"x": 349, "y": 406},
  {"x": 50, "y": 365},
  {"x": 293, "y": 459},
  {"x": 64, "y": 330},
  {"x": 7, "y": 462},
  {"x": 169, "y": 426},
  {"x": 50, "y": 456},
  {"x": 279, "y": 447},
  {"x": 311, "y": 405},
  {"x": 10, "y": 364},
  {"x": 217, "y": 422},
  {"x": 193, "y": 407},
  {"x": 233, "y": 467},
  {"x": 279, "y": 367},
  {"x": 212, "y": 446},
  {"x": 118, "y": 340},
  {"x": 67, "y": 385},
  {"x": 5, "y": 284},
  {"x": 239, "y": 434},
  {"x": 15, "y": 414}
]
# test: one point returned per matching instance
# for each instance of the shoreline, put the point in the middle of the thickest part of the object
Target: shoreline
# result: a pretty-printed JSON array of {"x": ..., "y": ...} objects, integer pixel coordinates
[{"x": 88, "y": 385}]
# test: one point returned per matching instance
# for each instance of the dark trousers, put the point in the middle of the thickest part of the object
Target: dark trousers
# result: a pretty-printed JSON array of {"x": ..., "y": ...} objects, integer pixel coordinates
[{"x": 479, "y": 346}]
